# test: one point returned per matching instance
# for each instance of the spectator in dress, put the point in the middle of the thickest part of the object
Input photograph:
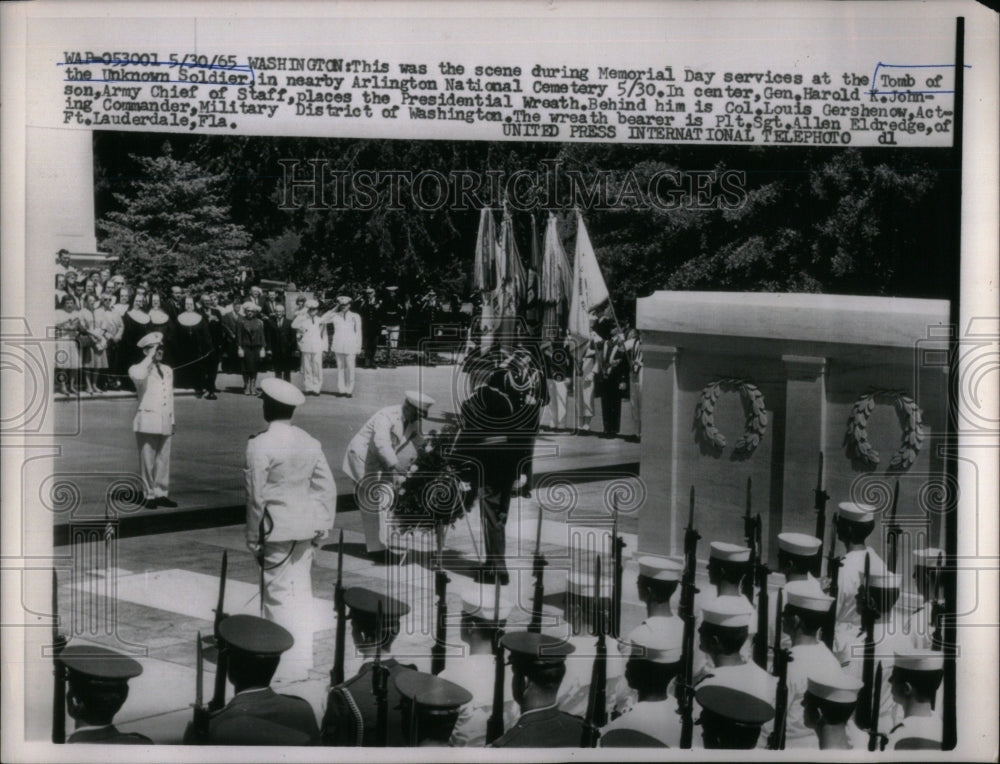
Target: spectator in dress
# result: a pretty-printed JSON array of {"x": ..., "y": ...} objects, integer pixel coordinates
[
  {"x": 251, "y": 345},
  {"x": 67, "y": 361},
  {"x": 193, "y": 346},
  {"x": 60, "y": 289},
  {"x": 92, "y": 343},
  {"x": 109, "y": 321}
]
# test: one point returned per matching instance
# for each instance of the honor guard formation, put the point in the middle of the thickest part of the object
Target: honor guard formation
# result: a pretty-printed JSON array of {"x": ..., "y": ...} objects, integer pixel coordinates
[{"x": 809, "y": 659}]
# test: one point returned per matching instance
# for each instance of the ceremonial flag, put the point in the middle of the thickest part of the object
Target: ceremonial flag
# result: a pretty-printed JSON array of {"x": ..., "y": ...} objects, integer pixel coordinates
[
  {"x": 590, "y": 293},
  {"x": 555, "y": 279},
  {"x": 513, "y": 279}
]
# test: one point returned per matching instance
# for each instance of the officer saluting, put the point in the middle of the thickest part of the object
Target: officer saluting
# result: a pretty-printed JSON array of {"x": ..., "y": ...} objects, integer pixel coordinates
[
  {"x": 430, "y": 707},
  {"x": 352, "y": 708},
  {"x": 257, "y": 715},
  {"x": 538, "y": 664},
  {"x": 291, "y": 498},
  {"x": 154, "y": 419},
  {"x": 98, "y": 687}
]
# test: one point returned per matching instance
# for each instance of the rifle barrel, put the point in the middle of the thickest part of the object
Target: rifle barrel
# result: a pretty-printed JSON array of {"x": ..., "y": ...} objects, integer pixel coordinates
[
  {"x": 494, "y": 725},
  {"x": 58, "y": 670}
]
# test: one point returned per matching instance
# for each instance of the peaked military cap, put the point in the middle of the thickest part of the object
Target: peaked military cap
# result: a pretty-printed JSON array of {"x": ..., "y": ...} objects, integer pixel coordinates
[
  {"x": 366, "y": 601},
  {"x": 740, "y": 697},
  {"x": 153, "y": 338},
  {"x": 255, "y": 635},
  {"x": 542, "y": 648},
  {"x": 99, "y": 663},
  {"x": 430, "y": 691}
]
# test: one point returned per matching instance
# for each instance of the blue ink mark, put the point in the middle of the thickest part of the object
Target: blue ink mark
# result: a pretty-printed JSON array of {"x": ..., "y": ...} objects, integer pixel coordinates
[
  {"x": 124, "y": 62},
  {"x": 880, "y": 65}
]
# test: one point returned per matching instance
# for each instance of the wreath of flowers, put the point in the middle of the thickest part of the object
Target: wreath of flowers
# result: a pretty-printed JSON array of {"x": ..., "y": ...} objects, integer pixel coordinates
[
  {"x": 753, "y": 404},
  {"x": 911, "y": 418},
  {"x": 434, "y": 491}
]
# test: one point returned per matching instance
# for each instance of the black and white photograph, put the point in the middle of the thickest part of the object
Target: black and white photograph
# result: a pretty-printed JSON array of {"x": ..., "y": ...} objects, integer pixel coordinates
[{"x": 356, "y": 420}]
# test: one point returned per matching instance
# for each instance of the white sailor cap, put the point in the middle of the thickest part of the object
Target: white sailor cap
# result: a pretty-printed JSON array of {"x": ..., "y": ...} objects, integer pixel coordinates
[
  {"x": 480, "y": 604},
  {"x": 720, "y": 550},
  {"x": 801, "y": 544},
  {"x": 803, "y": 594},
  {"x": 928, "y": 558},
  {"x": 660, "y": 568},
  {"x": 153, "y": 338},
  {"x": 311, "y": 303},
  {"x": 731, "y": 611},
  {"x": 419, "y": 401},
  {"x": 662, "y": 644},
  {"x": 283, "y": 392},
  {"x": 856, "y": 513},
  {"x": 834, "y": 686},
  {"x": 581, "y": 583},
  {"x": 883, "y": 579},
  {"x": 923, "y": 660}
]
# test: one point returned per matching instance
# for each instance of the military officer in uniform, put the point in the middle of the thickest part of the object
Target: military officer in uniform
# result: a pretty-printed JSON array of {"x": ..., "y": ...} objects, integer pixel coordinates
[
  {"x": 654, "y": 661},
  {"x": 154, "y": 419},
  {"x": 98, "y": 688},
  {"x": 538, "y": 664},
  {"x": 915, "y": 679},
  {"x": 926, "y": 571},
  {"x": 430, "y": 707},
  {"x": 475, "y": 670},
  {"x": 375, "y": 454},
  {"x": 257, "y": 715},
  {"x": 734, "y": 707},
  {"x": 827, "y": 707},
  {"x": 805, "y": 613},
  {"x": 292, "y": 500},
  {"x": 352, "y": 707},
  {"x": 854, "y": 524}
]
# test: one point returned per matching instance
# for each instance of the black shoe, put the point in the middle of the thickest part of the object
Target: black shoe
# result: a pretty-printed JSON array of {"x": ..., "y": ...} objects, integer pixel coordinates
[
  {"x": 151, "y": 503},
  {"x": 198, "y": 393},
  {"x": 163, "y": 501},
  {"x": 487, "y": 577},
  {"x": 211, "y": 397},
  {"x": 504, "y": 578}
]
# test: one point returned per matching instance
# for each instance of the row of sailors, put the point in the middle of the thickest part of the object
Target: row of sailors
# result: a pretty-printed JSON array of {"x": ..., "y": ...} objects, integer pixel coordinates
[{"x": 547, "y": 693}]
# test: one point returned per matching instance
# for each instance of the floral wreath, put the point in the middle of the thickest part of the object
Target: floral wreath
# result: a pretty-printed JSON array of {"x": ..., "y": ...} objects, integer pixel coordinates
[
  {"x": 753, "y": 403},
  {"x": 911, "y": 417},
  {"x": 435, "y": 491}
]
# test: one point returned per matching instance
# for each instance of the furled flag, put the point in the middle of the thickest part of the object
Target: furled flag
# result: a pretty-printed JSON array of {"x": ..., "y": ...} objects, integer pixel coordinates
[
  {"x": 555, "y": 282},
  {"x": 590, "y": 293}
]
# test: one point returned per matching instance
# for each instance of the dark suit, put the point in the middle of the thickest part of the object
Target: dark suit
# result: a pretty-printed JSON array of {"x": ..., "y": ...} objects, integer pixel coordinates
[
  {"x": 352, "y": 712},
  {"x": 109, "y": 735},
  {"x": 282, "y": 346},
  {"x": 614, "y": 374},
  {"x": 370, "y": 312},
  {"x": 544, "y": 728},
  {"x": 284, "y": 715}
]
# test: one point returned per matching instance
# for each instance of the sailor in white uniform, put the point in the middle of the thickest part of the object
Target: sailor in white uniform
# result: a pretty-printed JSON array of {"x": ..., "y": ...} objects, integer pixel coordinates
[
  {"x": 854, "y": 523},
  {"x": 154, "y": 420},
  {"x": 827, "y": 707},
  {"x": 915, "y": 679}
]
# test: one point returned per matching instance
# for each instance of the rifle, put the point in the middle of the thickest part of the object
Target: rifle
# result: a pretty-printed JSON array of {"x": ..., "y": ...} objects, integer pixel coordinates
[
  {"x": 222, "y": 654},
  {"x": 597, "y": 711},
  {"x": 440, "y": 638},
  {"x": 830, "y": 627},
  {"x": 864, "y": 707},
  {"x": 337, "y": 672},
  {"x": 782, "y": 657},
  {"x": 58, "y": 669},
  {"x": 201, "y": 714},
  {"x": 820, "y": 499},
  {"x": 538, "y": 571},
  {"x": 685, "y": 698},
  {"x": 749, "y": 536},
  {"x": 262, "y": 532},
  {"x": 937, "y": 607},
  {"x": 494, "y": 726},
  {"x": 380, "y": 685},
  {"x": 876, "y": 739},
  {"x": 892, "y": 533},
  {"x": 760, "y": 641},
  {"x": 617, "y": 545}
]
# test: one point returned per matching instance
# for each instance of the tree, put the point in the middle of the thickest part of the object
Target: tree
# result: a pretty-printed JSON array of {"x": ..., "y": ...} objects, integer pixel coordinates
[{"x": 173, "y": 226}]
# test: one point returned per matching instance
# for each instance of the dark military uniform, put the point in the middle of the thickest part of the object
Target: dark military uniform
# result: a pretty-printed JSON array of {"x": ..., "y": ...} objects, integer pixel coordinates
[
  {"x": 430, "y": 707},
  {"x": 352, "y": 711},
  {"x": 544, "y": 728},
  {"x": 282, "y": 712},
  {"x": 108, "y": 735}
]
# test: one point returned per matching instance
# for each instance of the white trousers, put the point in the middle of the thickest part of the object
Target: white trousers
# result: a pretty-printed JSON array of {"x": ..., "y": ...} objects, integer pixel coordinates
[
  {"x": 370, "y": 496},
  {"x": 635, "y": 391},
  {"x": 288, "y": 602},
  {"x": 312, "y": 372},
  {"x": 345, "y": 372},
  {"x": 585, "y": 399},
  {"x": 154, "y": 463},
  {"x": 557, "y": 402}
]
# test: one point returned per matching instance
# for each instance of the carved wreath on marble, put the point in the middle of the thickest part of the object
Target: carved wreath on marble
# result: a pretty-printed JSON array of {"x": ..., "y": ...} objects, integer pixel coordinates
[
  {"x": 753, "y": 404},
  {"x": 910, "y": 416}
]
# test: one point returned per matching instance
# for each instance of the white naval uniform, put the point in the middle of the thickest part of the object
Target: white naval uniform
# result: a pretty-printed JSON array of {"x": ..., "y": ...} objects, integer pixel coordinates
[
  {"x": 849, "y": 579},
  {"x": 288, "y": 475},
  {"x": 346, "y": 346},
  {"x": 806, "y": 660},
  {"x": 814, "y": 588},
  {"x": 154, "y": 424},
  {"x": 657, "y": 718},
  {"x": 574, "y": 692},
  {"x": 886, "y": 644},
  {"x": 476, "y": 674},
  {"x": 382, "y": 445},
  {"x": 914, "y": 728},
  {"x": 311, "y": 334},
  {"x": 746, "y": 652},
  {"x": 919, "y": 628}
]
